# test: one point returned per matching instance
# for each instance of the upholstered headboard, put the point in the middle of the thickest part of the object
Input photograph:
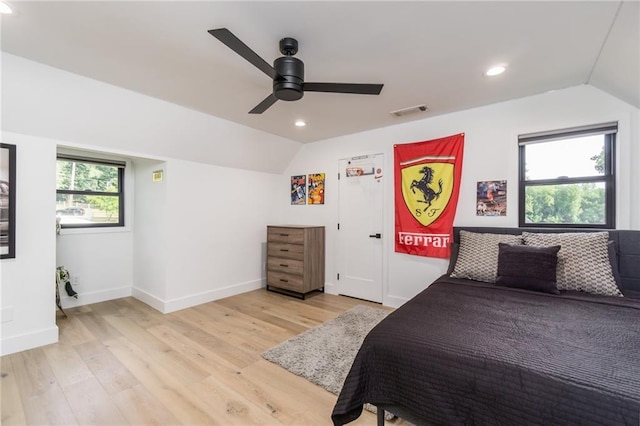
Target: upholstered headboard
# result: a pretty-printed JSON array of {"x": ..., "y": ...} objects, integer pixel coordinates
[{"x": 627, "y": 246}]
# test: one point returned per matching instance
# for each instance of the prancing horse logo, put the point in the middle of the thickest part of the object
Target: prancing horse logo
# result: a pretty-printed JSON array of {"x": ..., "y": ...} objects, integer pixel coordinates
[
  {"x": 423, "y": 185},
  {"x": 426, "y": 199}
]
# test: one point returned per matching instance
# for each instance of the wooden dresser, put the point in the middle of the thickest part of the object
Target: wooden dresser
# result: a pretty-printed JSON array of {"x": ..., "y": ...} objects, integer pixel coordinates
[{"x": 295, "y": 259}]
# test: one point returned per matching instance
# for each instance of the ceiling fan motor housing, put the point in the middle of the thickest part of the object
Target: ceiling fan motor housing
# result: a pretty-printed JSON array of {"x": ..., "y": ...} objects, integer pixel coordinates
[
  {"x": 292, "y": 69},
  {"x": 287, "y": 72}
]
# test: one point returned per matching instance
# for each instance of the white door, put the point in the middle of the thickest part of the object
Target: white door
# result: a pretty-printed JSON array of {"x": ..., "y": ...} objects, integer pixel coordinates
[{"x": 360, "y": 233}]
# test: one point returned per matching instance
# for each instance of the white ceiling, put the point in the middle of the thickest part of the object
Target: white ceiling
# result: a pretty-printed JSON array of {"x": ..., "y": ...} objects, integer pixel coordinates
[{"x": 431, "y": 53}]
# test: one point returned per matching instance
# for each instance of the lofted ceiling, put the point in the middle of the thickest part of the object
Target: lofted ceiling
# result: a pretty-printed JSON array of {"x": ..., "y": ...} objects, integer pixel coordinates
[{"x": 432, "y": 53}]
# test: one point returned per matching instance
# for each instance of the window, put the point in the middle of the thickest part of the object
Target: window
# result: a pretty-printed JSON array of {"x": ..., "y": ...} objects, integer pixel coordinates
[
  {"x": 89, "y": 192},
  {"x": 567, "y": 177}
]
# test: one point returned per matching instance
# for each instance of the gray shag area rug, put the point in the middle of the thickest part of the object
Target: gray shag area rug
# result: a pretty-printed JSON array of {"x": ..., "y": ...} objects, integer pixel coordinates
[{"x": 324, "y": 354}]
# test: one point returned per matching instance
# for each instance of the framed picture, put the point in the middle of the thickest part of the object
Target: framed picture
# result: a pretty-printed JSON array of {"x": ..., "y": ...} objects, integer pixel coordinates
[
  {"x": 298, "y": 190},
  {"x": 491, "y": 198},
  {"x": 7, "y": 201},
  {"x": 316, "y": 188}
]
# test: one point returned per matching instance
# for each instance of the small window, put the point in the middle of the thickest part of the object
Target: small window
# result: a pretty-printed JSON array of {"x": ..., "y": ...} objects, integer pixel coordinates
[
  {"x": 89, "y": 192},
  {"x": 567, "y": 178}
]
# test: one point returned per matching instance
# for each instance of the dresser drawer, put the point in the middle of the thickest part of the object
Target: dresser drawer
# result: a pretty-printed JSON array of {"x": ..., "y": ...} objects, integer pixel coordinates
[
  {"x": 288, "y": 251},
  {"x": 289, "y": 266},
  {"x": 285, "y": 235},
  {"x": 286, "y": 281}
]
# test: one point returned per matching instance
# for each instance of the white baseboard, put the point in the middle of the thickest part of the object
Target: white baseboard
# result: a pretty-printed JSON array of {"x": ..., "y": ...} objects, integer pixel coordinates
[
  {"x": 168, "y": 306},
  {"x": 330, "y": 288},
  {"x": 94, "y": 297},
  {"x": 22, "y": 342},
  {"x": 394, "y": 301},
  {"x": 148, "y": 298},
  {"x": 391, "y": 301}
]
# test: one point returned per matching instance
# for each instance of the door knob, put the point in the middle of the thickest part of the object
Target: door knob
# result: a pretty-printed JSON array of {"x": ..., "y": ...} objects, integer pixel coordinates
[{"x": 375, "y": 236}]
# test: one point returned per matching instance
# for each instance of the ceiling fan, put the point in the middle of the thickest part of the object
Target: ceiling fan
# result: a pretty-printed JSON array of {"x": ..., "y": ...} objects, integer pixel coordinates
[{"x": 287, "y": 72}]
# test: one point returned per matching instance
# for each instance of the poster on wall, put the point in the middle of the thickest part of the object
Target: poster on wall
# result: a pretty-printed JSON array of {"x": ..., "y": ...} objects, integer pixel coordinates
[
  {"x": 7, "y": 201},
  {"x": 427, "y": 178},
  {"x": 316, "y": 188},
  {"x": 491, "y": 198},
  {"x": 298, "y": 190}
]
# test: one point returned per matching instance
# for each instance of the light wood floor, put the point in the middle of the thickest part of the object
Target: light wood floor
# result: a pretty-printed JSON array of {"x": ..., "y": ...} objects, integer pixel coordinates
[{"x": 121, "y": 362}]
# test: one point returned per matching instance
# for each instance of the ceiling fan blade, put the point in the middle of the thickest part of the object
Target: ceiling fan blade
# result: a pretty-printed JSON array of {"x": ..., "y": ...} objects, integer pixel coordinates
[
  {"x": 264, "y": 105},
  {"x": 359, "y": 89},
  {"x": 234, "y": 43}
]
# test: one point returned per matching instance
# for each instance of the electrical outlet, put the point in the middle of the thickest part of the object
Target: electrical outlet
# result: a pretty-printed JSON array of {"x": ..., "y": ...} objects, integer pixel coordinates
[{"x": 75, "y": 280}]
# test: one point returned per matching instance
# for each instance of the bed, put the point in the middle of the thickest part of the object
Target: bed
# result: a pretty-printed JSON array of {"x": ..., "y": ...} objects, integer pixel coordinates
[{"x": 467, "y": 352}]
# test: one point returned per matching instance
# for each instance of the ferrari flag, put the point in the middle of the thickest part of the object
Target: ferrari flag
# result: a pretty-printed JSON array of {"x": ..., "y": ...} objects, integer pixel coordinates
[{"x": 427, "y": 181}]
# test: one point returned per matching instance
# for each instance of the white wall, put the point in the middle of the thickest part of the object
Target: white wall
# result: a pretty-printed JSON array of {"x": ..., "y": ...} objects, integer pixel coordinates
[
  {"x": 634, "y": 174},
  {"x": 28, "y": 282},
  {"x": 217, "y": 221},
  {"x": 150, "y": 237},
  {"x": 102, "y": 263},
  {"x": 490, "y": 153},
  {"x": 200, "y": 235}
]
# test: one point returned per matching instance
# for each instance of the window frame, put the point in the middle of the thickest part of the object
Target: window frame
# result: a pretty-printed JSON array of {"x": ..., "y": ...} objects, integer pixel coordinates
[
  {"x": 120, "y": 165},
  {"x": 609, "y": 131}
]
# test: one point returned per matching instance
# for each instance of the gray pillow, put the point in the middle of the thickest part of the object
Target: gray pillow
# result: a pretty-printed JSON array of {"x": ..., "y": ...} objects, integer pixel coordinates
[
  {"x": 478, "y": 255},
  {"x": 583, "y": 260}
]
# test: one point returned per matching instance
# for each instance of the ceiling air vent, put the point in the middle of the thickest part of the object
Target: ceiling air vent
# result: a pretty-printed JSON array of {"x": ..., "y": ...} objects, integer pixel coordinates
[{"x": 411, "y": 110}]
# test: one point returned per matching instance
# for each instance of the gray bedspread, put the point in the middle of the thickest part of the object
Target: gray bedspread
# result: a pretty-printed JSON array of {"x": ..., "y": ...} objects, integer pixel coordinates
[{"x": 467, "y": 353}]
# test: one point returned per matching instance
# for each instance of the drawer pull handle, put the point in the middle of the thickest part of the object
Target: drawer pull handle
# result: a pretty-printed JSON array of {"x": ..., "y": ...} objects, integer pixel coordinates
[
  {"x": 284, "y": 281},
  {"x": 284, "y": 235},
  {"x": 284, "y": 266},
  {"x": 284, "y": 249}
]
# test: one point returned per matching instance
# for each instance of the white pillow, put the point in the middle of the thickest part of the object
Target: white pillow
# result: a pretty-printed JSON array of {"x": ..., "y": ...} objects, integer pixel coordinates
[
  {"x": 583, "y": 260},
  {"x": 478, "y": 255}
]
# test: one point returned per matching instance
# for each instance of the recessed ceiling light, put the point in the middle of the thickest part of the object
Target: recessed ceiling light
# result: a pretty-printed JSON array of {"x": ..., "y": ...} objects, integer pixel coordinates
[
  {"x": 301, "y": 123},
  {"x": 5, "y": 8},
  {"x": 497, "y": 70}
]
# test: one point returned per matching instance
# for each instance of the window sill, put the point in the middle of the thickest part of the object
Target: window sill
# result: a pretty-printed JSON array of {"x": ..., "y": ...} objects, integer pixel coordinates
[{"x": 104, "y": 230}]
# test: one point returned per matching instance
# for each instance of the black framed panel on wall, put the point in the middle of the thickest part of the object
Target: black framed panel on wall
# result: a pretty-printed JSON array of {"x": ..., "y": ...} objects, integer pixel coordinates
[{"x": 7, "y": 201}]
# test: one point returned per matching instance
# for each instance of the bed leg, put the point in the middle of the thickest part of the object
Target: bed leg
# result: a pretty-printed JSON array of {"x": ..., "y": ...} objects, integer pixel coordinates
[{"x": 380, "y": 415}]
